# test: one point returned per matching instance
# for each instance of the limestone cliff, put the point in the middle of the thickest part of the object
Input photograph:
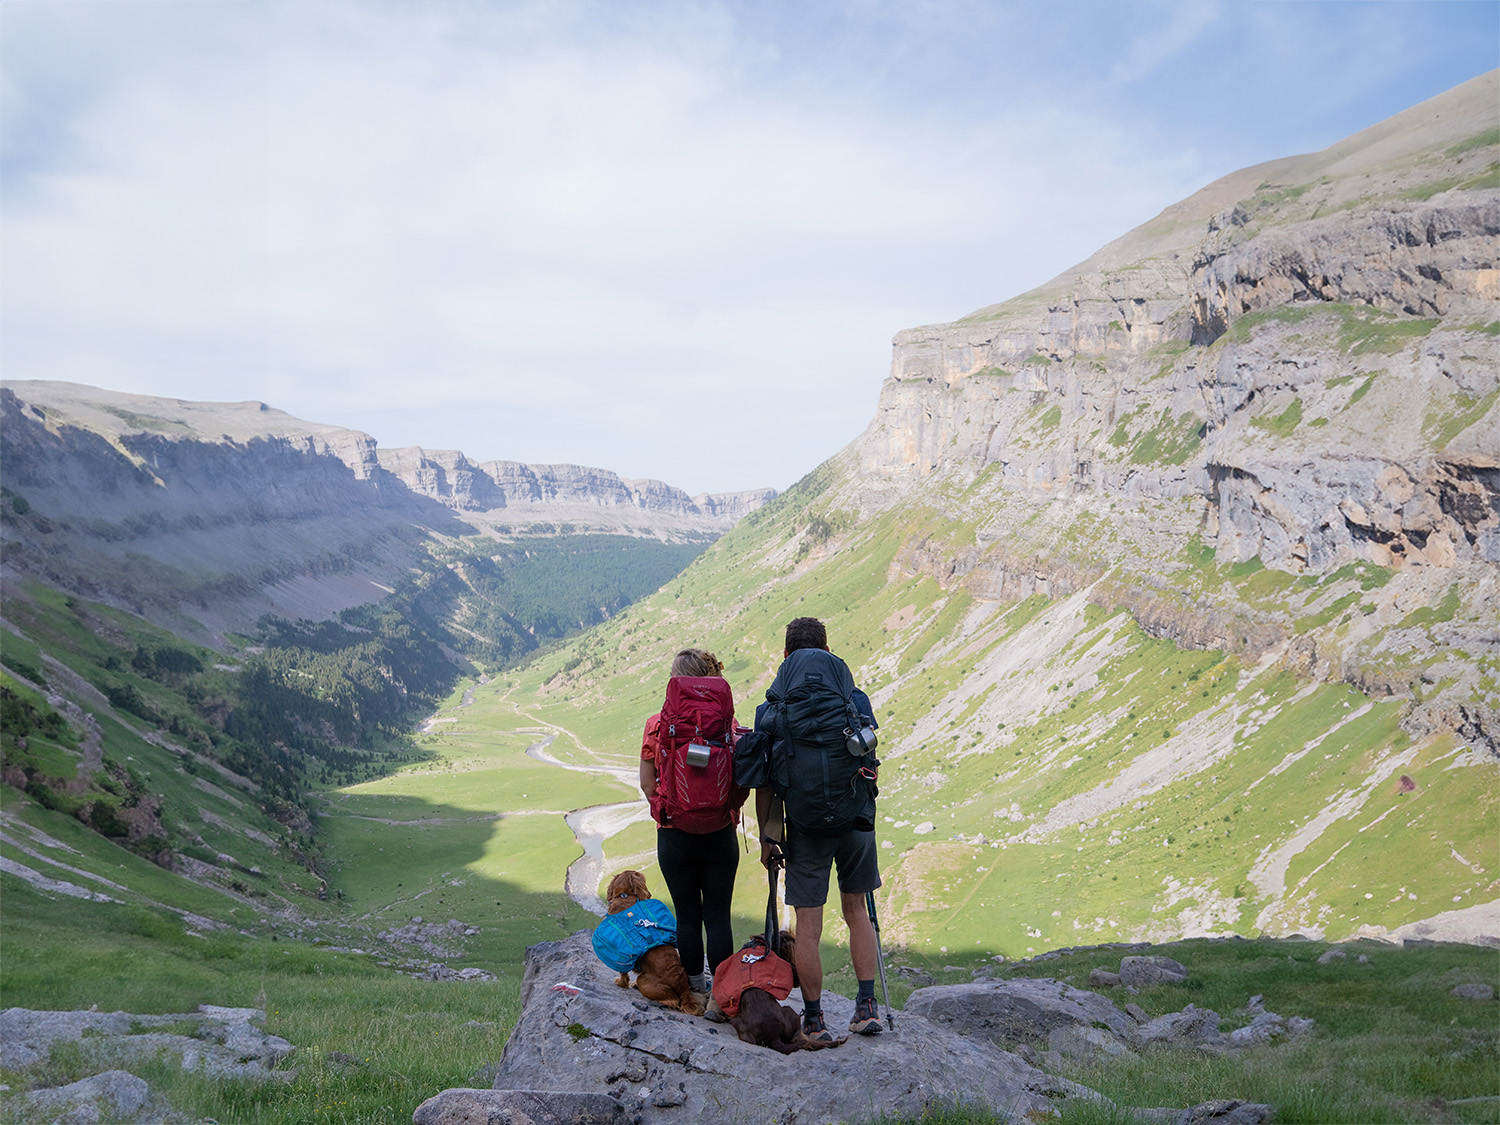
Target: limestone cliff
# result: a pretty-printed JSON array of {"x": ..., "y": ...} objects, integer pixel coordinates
[
  {"x": 218, "y": 512},
  {"x": 1297, "y": 367}
]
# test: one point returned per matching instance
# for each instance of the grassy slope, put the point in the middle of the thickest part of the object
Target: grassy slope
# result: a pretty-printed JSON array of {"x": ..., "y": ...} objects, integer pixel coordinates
[{"x": 1053, "y": 775}]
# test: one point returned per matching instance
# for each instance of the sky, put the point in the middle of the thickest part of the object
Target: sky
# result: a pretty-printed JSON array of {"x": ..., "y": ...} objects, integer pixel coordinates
[{"x": 669, "y": 239}]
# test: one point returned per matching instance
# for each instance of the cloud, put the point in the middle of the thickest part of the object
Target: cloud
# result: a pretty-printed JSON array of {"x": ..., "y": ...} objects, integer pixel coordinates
[
  {"x": 560, "y": 231},
  {"x": 1170, "y": 30}
]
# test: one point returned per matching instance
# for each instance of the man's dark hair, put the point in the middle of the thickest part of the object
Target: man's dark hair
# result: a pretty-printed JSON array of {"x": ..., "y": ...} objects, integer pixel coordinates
[{"x": 805, "y": 632}]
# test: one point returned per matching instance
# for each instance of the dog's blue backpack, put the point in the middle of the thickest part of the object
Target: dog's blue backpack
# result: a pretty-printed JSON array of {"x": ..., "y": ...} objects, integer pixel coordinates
[{"x": 621, "y": 938}]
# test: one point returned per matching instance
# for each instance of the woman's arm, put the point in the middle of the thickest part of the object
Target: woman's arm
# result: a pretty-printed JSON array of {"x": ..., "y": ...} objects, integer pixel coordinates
[{"x": 650, "y": 747}]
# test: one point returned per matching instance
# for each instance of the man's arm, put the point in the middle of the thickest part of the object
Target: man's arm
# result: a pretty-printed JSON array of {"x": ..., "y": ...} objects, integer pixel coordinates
[{"x": 768, "y": 817}]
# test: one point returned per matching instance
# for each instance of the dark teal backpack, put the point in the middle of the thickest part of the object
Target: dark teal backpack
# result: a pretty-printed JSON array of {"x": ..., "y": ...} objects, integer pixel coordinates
[{"x": 826, "y": 789}]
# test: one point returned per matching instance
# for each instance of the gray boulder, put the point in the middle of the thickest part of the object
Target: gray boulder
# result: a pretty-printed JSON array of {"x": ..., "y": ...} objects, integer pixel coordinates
[
  {"x": 1016, "y": 1011},
  {"x": 579, "y": 1033},
  {"x": 1474, "y": 992},
  {"x": 1103, "y": 978},
  {"x": 114, "y": 1096},
  {"x": 518, "y": 1107},
  {"x": 1191, "y": 1027},
  {"x": 1141, "y": 972}
]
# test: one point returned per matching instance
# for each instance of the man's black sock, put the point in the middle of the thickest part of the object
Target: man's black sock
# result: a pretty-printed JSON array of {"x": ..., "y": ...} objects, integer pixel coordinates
[
  {"x": 812, "y": 1009},
  {"x": 866, "y": 990}
]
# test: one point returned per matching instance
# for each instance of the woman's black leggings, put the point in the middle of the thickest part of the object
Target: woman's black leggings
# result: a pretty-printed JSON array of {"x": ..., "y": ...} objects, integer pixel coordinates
[{"x": 699, "y": 870}]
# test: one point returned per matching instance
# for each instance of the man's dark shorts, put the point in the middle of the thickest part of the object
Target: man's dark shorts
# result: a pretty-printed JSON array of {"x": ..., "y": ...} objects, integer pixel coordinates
[{"x": 808, "y": 859}]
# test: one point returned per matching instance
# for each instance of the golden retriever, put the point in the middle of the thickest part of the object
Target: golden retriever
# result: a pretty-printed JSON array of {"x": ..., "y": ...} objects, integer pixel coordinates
[{"x": 659, "y": 972}]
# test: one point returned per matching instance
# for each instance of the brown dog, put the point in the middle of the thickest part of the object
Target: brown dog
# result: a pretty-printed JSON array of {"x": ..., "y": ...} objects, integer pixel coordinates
[
  {"x": 659, "y": 972},
  {"x": 765, "y": 1021}
]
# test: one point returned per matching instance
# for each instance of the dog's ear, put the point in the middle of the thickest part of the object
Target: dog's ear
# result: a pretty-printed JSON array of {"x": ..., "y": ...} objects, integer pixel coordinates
[{"x": 638, "y": 885}]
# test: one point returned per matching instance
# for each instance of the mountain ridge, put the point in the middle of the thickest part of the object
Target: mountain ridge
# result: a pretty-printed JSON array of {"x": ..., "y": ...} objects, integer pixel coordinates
[{"x": 244, "y": 509}]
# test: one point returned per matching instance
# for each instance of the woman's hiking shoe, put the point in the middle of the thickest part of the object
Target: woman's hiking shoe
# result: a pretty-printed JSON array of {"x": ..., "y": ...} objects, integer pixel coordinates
[
  {"x": 815, "y": 1030},
  {"x": 866, "y": 1019}
]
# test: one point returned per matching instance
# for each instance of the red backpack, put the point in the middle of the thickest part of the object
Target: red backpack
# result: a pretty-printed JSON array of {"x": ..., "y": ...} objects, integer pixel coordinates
[{"x": 695, "y": 789}]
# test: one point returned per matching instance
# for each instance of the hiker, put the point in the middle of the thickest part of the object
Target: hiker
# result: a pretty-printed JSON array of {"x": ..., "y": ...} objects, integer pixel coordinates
[
  {"x": 695, "y": 842},
  {"x": 811, "y": 711}
]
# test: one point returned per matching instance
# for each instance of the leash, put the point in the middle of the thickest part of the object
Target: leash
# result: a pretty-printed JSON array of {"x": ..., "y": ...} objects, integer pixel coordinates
[{"x": 773, "y": 926}]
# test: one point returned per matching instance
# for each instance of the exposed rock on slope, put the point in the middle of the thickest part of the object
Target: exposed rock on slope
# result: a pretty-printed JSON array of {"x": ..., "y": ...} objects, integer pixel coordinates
[
  {"x": 220, "y": 512},
  {"x": 1298, "y": 365}
]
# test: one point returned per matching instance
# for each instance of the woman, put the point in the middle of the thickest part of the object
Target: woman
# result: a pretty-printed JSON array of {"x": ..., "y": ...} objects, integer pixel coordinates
[{"x": 698, "y": 866}]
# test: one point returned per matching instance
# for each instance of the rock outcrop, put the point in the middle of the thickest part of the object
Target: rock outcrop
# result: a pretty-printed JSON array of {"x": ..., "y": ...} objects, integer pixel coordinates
[
  {"x": 1297, "y": 367},
  {"x": 226, "y": 1042},
  {"x": 585, "y": 1050},
  {"x": 581, "y": 1034}
]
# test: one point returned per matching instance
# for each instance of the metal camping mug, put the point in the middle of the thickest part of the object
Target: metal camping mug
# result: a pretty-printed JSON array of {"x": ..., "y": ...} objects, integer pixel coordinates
[
  {"x": 697, "y": 755},
  {"x": 861, "y": 742}
]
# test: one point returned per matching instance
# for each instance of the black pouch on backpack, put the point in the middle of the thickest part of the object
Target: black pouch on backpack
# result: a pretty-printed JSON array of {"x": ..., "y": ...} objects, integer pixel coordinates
[{"x": 752, "y": 760}]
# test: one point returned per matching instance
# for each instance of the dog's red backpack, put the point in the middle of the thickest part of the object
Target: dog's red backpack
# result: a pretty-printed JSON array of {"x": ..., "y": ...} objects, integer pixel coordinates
[
  {"x": 695, "y": 789},
  {"x": 753, "y": 966}
]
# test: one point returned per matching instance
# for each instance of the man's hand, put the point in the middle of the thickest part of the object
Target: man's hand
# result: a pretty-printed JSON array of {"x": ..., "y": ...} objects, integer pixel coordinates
[{"x": 770, "y": 855}]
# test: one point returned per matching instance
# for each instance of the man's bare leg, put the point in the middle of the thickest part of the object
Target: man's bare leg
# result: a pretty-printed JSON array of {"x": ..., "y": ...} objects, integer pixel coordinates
[
  {"x": 809, "y": 959},
  {"x": 862, "y": 949}
]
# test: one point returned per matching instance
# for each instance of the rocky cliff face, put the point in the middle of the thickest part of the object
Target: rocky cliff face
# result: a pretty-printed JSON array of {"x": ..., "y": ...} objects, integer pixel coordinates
[
  {"x": 1297, "y": 367},
  {"x": 222, "y": 512}
]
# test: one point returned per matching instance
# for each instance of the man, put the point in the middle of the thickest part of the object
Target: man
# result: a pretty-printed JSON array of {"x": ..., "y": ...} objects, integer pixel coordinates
[{"x": 811, "y": 839}]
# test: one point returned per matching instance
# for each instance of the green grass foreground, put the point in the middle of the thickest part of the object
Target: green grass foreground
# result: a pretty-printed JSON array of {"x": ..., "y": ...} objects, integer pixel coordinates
[
  {"x": 1391, "y": 1043},
  {"x": 371, "y": 1044}
]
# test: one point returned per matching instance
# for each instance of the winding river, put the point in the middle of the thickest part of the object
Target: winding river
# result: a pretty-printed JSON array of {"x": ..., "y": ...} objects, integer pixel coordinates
[{"x": 592, "y": 826}]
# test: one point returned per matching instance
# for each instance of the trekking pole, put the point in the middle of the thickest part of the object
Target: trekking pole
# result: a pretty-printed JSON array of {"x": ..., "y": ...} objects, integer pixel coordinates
[{"x": 880, "y": 959}]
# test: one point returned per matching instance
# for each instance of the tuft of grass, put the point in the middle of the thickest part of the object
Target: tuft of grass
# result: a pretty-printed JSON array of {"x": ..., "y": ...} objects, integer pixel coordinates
[{"x": 1478, "y": 140}]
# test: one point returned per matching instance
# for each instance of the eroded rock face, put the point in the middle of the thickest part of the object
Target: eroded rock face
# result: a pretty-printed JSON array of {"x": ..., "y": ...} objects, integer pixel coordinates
[
  {"x": 1295, "y": 368},
  {"x": 579, "y": 1033}
]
